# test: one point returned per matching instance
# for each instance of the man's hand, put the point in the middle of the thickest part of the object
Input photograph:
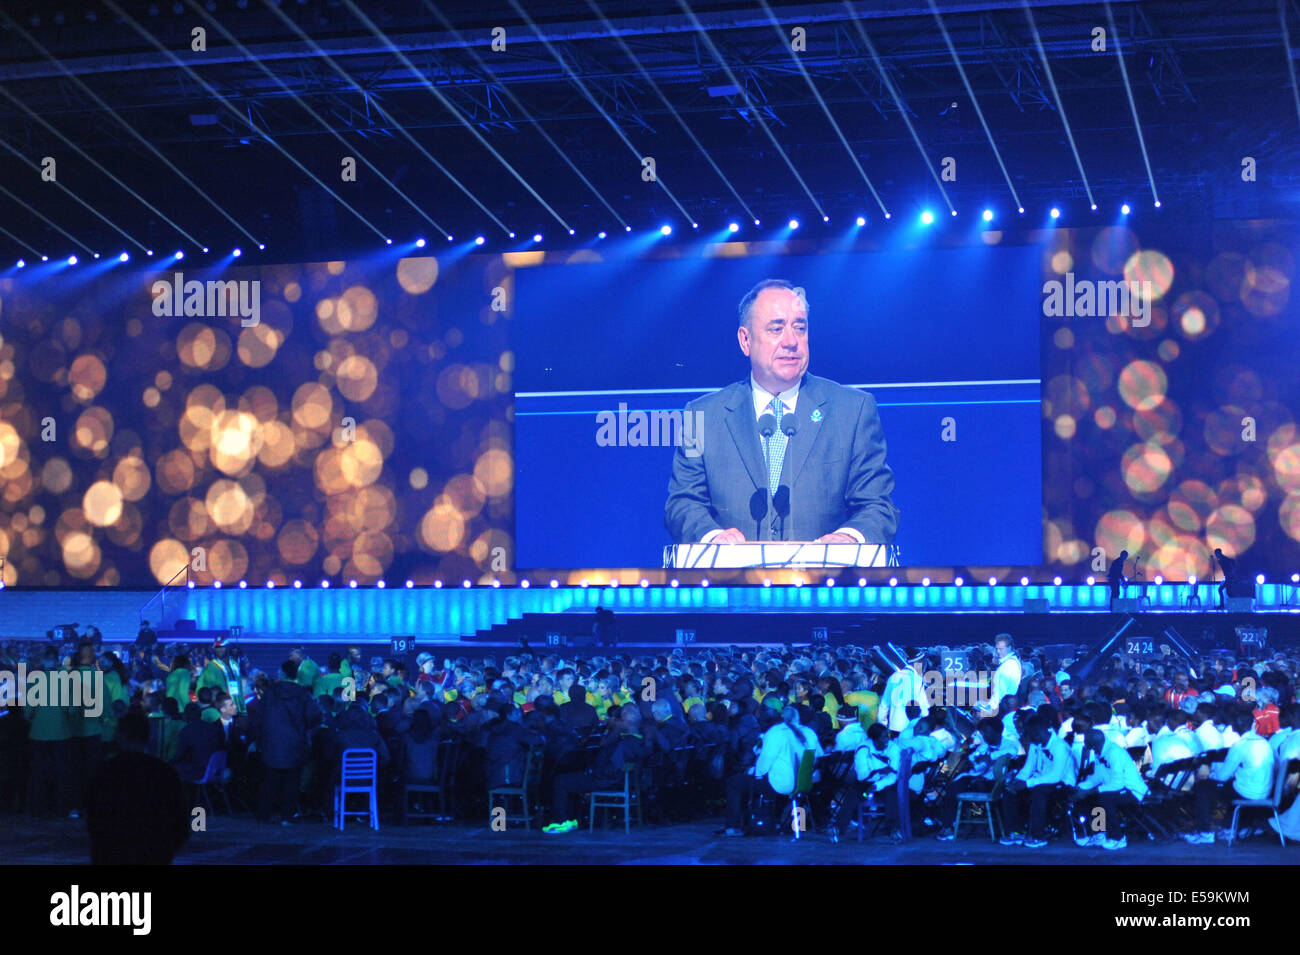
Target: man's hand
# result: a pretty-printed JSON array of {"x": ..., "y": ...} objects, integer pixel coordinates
[
  {"x": 732, "y": 535},
  {"x": 835, "y": 538}
]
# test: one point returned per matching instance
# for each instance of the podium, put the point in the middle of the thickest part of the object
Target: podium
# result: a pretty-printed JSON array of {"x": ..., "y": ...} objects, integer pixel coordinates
[{"x": 778, "y": 554}]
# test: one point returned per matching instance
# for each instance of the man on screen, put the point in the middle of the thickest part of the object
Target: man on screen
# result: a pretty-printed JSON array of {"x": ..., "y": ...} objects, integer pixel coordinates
[{"x": 818, "y": 474}]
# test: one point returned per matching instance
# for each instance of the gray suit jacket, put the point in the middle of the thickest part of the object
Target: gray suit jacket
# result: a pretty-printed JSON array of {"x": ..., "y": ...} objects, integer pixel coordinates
[{"x": 834, "y": 468}]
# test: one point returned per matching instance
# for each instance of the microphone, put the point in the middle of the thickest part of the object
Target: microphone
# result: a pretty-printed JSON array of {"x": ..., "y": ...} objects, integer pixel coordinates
[
  {"x": 789, "y": 425},
  {"x": 767, "y": 425},
  {"x": 781, "y": 504}
]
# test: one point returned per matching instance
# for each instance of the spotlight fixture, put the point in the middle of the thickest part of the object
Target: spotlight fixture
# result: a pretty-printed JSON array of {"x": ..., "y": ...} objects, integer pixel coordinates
[
  {"x": 261, "y": 246},
  {"x": 235, "y": 253},
  {"x": 537, "y": 237},
  {"x": 126, "y": 256},
  {"x": 512, "y": 235},
  {"x": 571, "y": 231},
  {"x": 988, "y": 215},
  {"x": 665, "y": 229},
  {"x": 695, "y": 225},
  {"x": 793, "y": 223},
  {"x": 419, "y": 243},
  {"x": 180, "y": 254},
  {"x": 388, "y": 242},
  {"x": 72, "y": 260},
  {"x": 479, "y": 240},
  {"x": 826, "y": 218},
  {"x": 45, "y": 258},
  {"x": 1055, "y": 213},
  {"x": 927, "y": 217},
  {"x": 22, "y": 263},
  {"x": 627, "y": 228},
  {"x": 733, "y": 227},
  {"x": 861, "y": 221},
  {"x": 600, "y": 234},
  {"x": 1125, "y": 209}
]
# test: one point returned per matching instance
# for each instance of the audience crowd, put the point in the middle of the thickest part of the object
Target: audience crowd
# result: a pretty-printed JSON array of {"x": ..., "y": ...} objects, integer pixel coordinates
[{"x": 1085, "y": 749}]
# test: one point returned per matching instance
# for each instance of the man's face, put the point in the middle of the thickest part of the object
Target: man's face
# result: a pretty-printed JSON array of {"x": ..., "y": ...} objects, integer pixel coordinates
[
  {"x": 1002, "y": 650},
  {"x": 776, "y": 339},
  {"x": 228, "y": 709}
]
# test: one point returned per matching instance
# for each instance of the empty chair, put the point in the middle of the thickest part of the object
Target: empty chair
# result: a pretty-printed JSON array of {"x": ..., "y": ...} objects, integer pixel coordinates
[{"x": 359, "y": 777}]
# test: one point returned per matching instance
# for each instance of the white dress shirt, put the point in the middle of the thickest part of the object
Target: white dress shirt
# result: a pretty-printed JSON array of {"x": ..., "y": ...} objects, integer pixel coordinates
[{"x": 762, "y": 405}]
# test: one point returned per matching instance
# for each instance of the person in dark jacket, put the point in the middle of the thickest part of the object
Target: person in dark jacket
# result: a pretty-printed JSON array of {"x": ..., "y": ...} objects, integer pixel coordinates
[
  {"x": 356, "y": 730},
  {"x": 623, "y": 746},
  {"x": 286, "y": 715},
  {"x": 578, "y": 714},
  {"x": 508, "y": 743},
  {"x": 197, "y": 741},
  {"x": 420, "y": 749}
]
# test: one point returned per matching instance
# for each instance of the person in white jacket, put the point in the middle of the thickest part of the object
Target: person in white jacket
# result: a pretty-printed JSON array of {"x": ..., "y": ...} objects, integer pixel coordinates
[
  {"x": 1247, "y": 771},
  {"x": 904, "y": 688},
  {"x": 1049, "y": 764},
  {"x": 777, "y": 769},
  {"x": 1108, "y": 778}
]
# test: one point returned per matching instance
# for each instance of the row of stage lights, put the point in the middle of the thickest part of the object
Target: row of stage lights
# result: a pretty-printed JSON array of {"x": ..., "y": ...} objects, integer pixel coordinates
[
  {"x": 704, "y": 582},
  {"x": 176, "y": 256},
  {"x": 925, "y": 218}
]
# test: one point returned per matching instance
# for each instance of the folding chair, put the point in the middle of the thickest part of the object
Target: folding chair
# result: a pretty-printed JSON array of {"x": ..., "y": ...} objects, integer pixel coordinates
[
  {"x": 212, "y": 777},
  {"x": 988, "y": 800},
  {"x": 359, "y": 777},
  {"x": 532, "y": 766},
  {"x": 1270, "y": 802},
  {"x": 800, "y": 814},
  {"x": 440, "y": 786},
  {"x": 625, "y": 799}
]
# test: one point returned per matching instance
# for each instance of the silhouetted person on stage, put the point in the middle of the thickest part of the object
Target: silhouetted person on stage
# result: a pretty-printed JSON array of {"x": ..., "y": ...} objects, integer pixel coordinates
[
  {"x": 1116, "y": 575},
  {"x": 603, "y": 628},
  {"x": 1229, "y": 568}
]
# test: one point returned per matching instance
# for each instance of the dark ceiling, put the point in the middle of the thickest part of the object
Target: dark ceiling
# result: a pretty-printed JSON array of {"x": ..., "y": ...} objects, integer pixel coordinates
[{"x": 160, "y": 146}]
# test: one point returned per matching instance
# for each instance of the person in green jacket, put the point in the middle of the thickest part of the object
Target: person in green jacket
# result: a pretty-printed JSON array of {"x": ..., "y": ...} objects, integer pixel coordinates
[
  {"x": 85, "y": 724},
  {"x": 178, "y": 681},
  {"x": 48, "y": 735},
  {"x": 308, "y": 669},
  {"x": 116, "y": 682},
  {"x": 222, "y": 672},
  {"x": 329, "y": 680}
]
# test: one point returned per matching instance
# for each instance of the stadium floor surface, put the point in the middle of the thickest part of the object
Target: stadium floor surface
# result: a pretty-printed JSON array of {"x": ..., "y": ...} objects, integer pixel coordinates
[{"x": 241, "y": 841}]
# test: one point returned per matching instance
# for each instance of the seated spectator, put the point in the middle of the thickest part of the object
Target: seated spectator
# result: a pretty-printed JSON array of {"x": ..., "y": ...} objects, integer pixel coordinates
[
  {"x": 1247, "y": 771},
  {"x": 1049, "y": 764}
]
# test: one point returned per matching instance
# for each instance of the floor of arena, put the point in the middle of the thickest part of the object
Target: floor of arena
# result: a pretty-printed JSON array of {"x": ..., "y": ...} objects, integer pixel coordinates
[{"x": 241, "y": 841}]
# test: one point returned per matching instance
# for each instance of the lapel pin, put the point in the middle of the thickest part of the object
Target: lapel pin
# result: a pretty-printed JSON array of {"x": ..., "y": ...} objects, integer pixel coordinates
[{"x": 816, "y": 415}]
